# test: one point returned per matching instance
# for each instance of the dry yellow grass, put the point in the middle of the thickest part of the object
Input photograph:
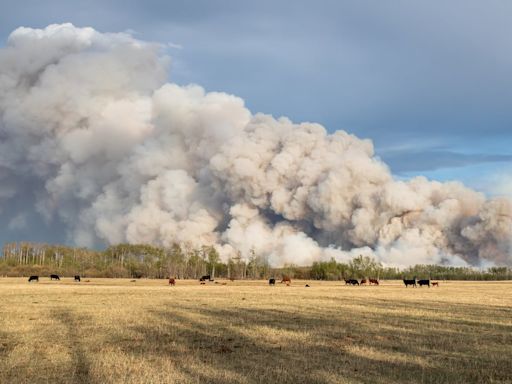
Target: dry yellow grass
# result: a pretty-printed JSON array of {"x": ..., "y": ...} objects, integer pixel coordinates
[{"x": 117, "y": 331}]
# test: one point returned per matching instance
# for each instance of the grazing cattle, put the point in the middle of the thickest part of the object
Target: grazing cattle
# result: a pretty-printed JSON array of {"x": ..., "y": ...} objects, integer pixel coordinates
[
  {"x": 33, "y": 278},
  {"x": 424, "y": 282},
  {"x": 374, "y": 281},
  {"x": 231, "y": 279},
  {"x": 54, "y": 277},
  {"x": 272, "y": 281},
  {"x": 205, "y": 278},
  {"x": 351, "y": 282},
  {"x": 286, "y": 280},
  {"x": 363, "y": 282},
  {"x": 172, "y": 281},
  {"x": 77, "y": 278},
  {"x": 410, "y": 282},
  {"x": 307, "y": 285},
  {"x": 435, "y": 284}
]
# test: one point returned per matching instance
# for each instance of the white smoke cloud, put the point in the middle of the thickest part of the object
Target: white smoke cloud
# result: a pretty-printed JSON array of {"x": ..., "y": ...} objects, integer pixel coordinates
[{"x": 106, "y": 147}]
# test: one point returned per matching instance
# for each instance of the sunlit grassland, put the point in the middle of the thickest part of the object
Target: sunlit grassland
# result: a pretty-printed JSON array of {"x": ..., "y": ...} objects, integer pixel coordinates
[{"x": 119, "y": 331}]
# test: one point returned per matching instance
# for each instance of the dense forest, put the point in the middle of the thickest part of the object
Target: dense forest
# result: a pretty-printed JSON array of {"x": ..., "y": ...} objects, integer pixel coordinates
[{"x": 183, "y": 262}]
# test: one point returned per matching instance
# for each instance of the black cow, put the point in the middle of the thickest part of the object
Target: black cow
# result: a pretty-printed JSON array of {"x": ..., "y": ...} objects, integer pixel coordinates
[
  {"x": 351, "y": 282},
  {"x": 54, "y": 277},
  {"x": 272, "y": 281},
  {"x": 77, "y": 278},
  {"x": 205, "y": 278},
  {"x": 424, "y": 282},
  {"x": 33, "y": 278},
  {"x": 410, "y": 282}
]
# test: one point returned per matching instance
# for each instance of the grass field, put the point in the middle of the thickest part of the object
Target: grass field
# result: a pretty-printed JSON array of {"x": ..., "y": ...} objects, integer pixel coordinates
[{"x": 118, "y": 331}]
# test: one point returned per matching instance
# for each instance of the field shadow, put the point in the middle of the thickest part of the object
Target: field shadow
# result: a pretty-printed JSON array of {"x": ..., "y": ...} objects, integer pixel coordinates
[
  {"x": 262, "y": 345},
  {"x": 43, "y": 350},
  {"x": 79, "y": 369}
]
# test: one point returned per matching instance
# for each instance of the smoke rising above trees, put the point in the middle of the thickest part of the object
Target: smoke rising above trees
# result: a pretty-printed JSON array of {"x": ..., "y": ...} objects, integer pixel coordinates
[{"x": 93, "y": 137}]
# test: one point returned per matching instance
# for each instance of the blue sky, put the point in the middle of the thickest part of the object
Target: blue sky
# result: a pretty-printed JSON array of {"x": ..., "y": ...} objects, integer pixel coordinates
[{"x": 428, "y": 81}]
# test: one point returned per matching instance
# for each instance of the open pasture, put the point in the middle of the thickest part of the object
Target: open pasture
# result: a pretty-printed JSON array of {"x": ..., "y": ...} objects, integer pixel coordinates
[{"x": 119, "y": 331}]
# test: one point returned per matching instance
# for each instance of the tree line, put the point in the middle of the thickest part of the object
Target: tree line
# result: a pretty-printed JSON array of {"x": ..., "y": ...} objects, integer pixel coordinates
[{"x": 186, "y": 262}]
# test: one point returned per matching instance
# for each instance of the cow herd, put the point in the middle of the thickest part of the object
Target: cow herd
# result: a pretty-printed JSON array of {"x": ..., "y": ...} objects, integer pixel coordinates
[
  {"x": 52, "y": 277},
  {"x": 363, "y": 282},
  {"x": 407, "y": 282},
  {"x": 286, "y": 280},
  {"x": 421, "y": 283}
]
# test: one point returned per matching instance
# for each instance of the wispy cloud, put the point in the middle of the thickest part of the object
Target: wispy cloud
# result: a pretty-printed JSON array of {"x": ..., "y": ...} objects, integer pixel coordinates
[
  {"x": 407, "y": 160},
  {"x": 18, "y": 222}
]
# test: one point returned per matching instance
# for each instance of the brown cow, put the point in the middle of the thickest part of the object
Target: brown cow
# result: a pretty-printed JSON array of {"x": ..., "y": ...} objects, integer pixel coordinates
[
  {"x": 363, "y": 281},
  {"x": 172, "y": 281},
  {"x": 374, "y": 281},
  {"x": 435, "y": 284},
  {"x": 286, "y": 279}
]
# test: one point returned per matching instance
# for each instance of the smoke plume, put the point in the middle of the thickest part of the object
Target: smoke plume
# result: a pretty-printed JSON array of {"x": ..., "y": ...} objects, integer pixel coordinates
[{"x": 94, "y": 140}]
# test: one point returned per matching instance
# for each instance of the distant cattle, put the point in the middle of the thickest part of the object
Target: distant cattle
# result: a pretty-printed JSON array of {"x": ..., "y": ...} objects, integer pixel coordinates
[
  {"x": 307, "y": 285},
  {"x": 424, "y": 282},
  {"x": 172, "y": 281},
  {"x": 272, "y": 281},
  {"x": 54, "y": 277},
  {"x": 363, "y": 282},
  {"x": 33, "y": 278},
  {"x": 374, "y": 281},
  {"x": 351, "y": 282},
  {"x": 410, "y": 282},
  {"x": 286, "y": 279},
  {"x": 435, "y": 284},
  {"x": 77, "y": 278},
  {"x": 205, "y": 278}
]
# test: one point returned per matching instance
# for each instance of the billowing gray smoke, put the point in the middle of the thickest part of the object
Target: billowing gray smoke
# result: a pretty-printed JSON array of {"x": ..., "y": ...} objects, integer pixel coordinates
[{"x": 94, "y": 138}]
